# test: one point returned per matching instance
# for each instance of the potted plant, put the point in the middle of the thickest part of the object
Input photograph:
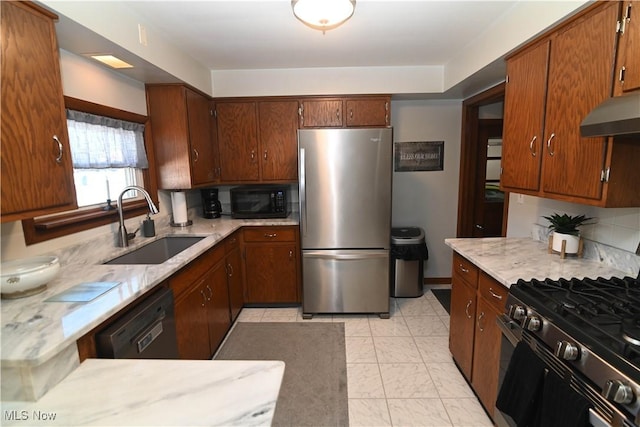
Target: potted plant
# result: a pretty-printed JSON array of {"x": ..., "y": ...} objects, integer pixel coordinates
[{"x": 565, "y": 228}]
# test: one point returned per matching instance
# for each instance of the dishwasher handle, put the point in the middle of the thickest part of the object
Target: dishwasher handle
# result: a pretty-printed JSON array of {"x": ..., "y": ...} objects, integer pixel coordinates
[{"x": 145, "y": 339}]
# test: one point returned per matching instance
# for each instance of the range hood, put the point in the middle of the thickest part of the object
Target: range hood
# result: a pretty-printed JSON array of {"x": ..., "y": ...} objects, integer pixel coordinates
[{"x": 619, "y": 115}]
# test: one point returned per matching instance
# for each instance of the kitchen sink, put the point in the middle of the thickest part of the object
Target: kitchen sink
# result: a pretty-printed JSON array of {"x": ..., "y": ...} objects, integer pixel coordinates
[{"x": 157, "y": 251}]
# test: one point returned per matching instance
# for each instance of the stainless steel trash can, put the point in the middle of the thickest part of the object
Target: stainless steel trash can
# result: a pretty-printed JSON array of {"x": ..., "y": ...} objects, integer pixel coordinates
[{"x": 408, "y": 253}]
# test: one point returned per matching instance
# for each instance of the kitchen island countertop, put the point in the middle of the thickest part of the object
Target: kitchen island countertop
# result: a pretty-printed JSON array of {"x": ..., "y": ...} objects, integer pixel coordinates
[
  {"x": 510, "y": 259},
  {"x": 104, "y": 392}
]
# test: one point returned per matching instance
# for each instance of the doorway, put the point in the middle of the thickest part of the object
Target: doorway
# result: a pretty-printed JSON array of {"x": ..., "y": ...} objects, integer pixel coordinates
[{"x": 482, "y": 207}]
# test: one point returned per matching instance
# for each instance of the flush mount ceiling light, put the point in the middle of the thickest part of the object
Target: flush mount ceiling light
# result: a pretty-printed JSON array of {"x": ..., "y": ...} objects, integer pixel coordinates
[
  {"x": 323, "y": 15},
  {"x": 111, "y": 61}
]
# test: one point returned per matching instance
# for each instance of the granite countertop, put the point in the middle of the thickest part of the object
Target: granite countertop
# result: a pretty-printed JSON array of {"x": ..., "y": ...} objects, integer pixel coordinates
[
  {"x": 39, "y": 338},
  {"x": 104, "y": 392},
  {"x": 510, "y": 259}
]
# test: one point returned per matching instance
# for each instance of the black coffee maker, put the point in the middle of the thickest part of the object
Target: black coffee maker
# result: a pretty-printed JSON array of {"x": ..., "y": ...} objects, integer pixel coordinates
[{"x": 211, "y": 207}]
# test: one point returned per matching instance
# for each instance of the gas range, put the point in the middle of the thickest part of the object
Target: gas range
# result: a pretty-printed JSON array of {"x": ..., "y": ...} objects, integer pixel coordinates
[{"x": 592, "y": 327}]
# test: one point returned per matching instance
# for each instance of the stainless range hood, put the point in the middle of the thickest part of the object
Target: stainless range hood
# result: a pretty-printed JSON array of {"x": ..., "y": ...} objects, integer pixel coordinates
[{"x": 619, "y": 115}]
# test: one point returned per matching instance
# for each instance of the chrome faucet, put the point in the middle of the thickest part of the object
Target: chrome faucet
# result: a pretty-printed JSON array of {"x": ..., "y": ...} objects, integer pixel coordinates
[{"x": 122, "y": 240}]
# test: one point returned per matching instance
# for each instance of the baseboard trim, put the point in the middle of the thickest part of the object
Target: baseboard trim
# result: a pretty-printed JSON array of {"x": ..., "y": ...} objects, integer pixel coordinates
[{"x": 437, "y": 280}]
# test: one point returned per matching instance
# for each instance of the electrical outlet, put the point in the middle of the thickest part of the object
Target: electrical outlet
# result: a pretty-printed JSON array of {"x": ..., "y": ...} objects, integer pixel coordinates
[
  {"x": 142, "y": 34},
  {"x": 520, "y": 199}
]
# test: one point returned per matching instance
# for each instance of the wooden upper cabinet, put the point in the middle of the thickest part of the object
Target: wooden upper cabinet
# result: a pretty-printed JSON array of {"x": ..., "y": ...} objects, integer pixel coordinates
[
  {"x": 37, "y": 172},
  {"x": 257, "y": 140},
  {"x": 524, "y": 118},
  {"x": 367, "y": 112},
  {"x": 548, "y": 157},
  {"x": 628, "y": 64},
  {"x": 182, "y": 137},
  {"x": 321, "y": 113},
  {"x": 362, "y": 111},
  {"x": 582, "y": 57},
  {"x": 278, "y": 125},
  {"x": 238, "y": 141}
]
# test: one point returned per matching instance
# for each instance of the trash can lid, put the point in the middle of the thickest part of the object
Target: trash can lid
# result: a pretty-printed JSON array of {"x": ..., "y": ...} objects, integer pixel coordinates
[{"x": 407, "y": 235}]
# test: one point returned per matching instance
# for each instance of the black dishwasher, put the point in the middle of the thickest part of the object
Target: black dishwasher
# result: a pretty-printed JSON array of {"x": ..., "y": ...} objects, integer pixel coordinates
[{"x": 146, "y": 331}]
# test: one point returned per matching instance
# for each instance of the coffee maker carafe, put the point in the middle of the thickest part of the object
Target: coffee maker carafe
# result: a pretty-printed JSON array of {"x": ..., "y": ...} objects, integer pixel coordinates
[{"x": 211, "y": 207}]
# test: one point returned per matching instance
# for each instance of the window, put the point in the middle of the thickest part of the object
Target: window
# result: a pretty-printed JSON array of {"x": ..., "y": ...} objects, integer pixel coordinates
[{"x": 109, "y": 151}]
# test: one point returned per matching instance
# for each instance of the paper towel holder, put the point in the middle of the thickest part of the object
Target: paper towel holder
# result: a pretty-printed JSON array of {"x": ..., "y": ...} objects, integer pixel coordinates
[{"x": 179, "y": 216}]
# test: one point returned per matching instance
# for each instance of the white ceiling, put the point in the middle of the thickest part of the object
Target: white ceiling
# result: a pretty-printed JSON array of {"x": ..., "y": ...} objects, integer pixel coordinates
[
  {"x": 264, "y": 34},
  {"x": 229, "y": 35}
]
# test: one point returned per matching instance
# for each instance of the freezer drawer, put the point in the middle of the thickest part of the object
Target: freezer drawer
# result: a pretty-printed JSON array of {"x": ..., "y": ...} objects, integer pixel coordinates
[{"x": 345, "y": 281}]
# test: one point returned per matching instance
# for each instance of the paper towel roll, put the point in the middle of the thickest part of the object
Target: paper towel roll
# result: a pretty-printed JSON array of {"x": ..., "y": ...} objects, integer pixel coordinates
[{"x": 179, "y": 207}]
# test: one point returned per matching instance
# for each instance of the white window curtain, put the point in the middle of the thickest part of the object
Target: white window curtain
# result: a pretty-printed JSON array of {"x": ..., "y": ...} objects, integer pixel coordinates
[{"x": 99, "y": 142}]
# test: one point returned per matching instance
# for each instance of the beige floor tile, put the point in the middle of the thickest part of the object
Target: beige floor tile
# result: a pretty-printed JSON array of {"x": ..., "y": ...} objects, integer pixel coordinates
[
  {"x": 396, "y": 350},
  {"x": 449, "y": 381},
  {"x": 426, "y": 326},
  {"x": 434, "y": 349},
  {"x": 360, "y": 350},
  {"x": 369, "y": 413},
  {"x": 393, "y": 327},
  {"x": 407, "y": 380},
  {"x": 466, "y": 413},
  {"x": 364, "y": 381},
  {"x": 415, "y": 307},
  {"x": 418, "y": 412},
  {"x": 355, "y": 325}
]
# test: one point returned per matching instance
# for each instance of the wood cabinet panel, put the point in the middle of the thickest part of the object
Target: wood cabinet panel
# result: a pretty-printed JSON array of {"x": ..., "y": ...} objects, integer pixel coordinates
[
  {"x": 235, "y": 279},
  {"x": 278, "y": 122},
  {"x": 36, "y": 168},
  {"x": 524, "y": 118},
  {"x": 461, "y": 328},
  {"x": 271, "y": 273},
  {"x": 238, "y": 141},
  {"x": 580, "y": 78},
  {"x": 367, "y": 112},
  {"x": 629, "y": 50},
  {"x": 269, "y": 234},
  {"x": 492, "y": 291},
  {"x": 486, "y": 360},
  {"x": 321, "y": 113},
  {"x": 182, "y": 137},
  {"x": 192, "y": 324},
  {"x": 218, "y": 317},
  {"x": 464, "y": 270}
]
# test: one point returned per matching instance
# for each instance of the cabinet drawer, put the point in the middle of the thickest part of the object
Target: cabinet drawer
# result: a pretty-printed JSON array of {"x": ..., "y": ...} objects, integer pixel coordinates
[
  {"x": 183, "y": 279},
  {"x": 464, "y": 269},
  {"x": 270, "y": 234},
  {"x": 492, "y": 291}
]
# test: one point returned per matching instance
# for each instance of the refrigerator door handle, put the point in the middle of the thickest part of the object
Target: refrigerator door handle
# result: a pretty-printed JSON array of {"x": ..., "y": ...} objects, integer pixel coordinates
[
  {"x": 303, "y": 191},
  {"x": 352, "y": 255}
]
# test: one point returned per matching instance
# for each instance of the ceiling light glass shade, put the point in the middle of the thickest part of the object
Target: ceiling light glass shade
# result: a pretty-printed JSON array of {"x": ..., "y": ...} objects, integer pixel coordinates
[{"x": 323, "y": 14}]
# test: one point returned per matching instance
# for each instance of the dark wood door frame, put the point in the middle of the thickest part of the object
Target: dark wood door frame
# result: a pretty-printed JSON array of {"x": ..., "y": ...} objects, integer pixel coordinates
[{"x": 468, "y": 159}]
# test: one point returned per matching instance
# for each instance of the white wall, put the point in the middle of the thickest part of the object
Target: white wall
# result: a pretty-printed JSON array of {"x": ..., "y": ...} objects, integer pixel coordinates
[
  {"x": 429, "y": 199},
  {"x": 619, "y": 228}
]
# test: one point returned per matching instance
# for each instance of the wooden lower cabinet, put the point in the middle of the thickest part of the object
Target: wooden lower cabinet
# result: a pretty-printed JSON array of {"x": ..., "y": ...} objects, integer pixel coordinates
[
  {"x": 272, "y": 264},
  {"x": 233, "y": 267},
  {"x": 201, "y": 305},
  {"x": 475, "y": 337}
]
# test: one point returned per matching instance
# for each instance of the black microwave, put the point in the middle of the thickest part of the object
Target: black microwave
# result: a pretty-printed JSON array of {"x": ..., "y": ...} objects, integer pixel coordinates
[{"x": 259, "y": 201}]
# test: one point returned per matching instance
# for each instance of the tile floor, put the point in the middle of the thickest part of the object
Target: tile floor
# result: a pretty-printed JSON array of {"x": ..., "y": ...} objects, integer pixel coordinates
[{"x": 399, "y": 370}]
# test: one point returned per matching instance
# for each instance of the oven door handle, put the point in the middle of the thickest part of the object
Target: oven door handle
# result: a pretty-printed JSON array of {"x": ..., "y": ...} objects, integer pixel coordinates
[{"x": 510, "y": 329}]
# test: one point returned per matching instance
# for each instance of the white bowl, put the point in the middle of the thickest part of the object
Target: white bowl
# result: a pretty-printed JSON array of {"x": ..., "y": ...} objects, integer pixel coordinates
[{"x": 24, "y": 277}]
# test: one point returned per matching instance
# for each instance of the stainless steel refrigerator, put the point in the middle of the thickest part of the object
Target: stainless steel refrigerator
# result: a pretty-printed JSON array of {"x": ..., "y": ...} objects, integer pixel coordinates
[{"x": 345, "y": 219}]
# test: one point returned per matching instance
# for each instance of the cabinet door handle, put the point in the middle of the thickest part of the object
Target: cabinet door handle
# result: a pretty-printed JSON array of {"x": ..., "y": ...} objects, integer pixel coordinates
[
  {"x": 464, "y": 270},
  {"x": 60, "y": 150},
  {"x": 493, "y": 294},
  {"x": 351, "y": 114},
  {"x": 270, "y": 235},
  {"x": 229, "y": 270},
  {"x": 551, "y": 152},
  {"x": 204, "y": 298},
  {"x": 290, "y": 254},
  {"x": 466, "y": 309},
  {"x": 210, "y": 293},
  {"x": 338, "y": 114},
  {"x": 196, "y": 155},
  {"x": 531, "y": 150},
  {"x": 480, "y": 322},
  {"x": 253, "y": 154},
  {"x": 265, "y": 154}
]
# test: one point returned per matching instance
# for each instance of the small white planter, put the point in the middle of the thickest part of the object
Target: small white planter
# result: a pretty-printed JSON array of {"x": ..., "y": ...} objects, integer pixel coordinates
[{"x": 572, "y": 245}]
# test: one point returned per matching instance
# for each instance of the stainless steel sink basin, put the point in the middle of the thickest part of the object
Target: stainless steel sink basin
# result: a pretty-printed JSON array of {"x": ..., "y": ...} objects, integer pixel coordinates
[{"x": 157, "y": 251}]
